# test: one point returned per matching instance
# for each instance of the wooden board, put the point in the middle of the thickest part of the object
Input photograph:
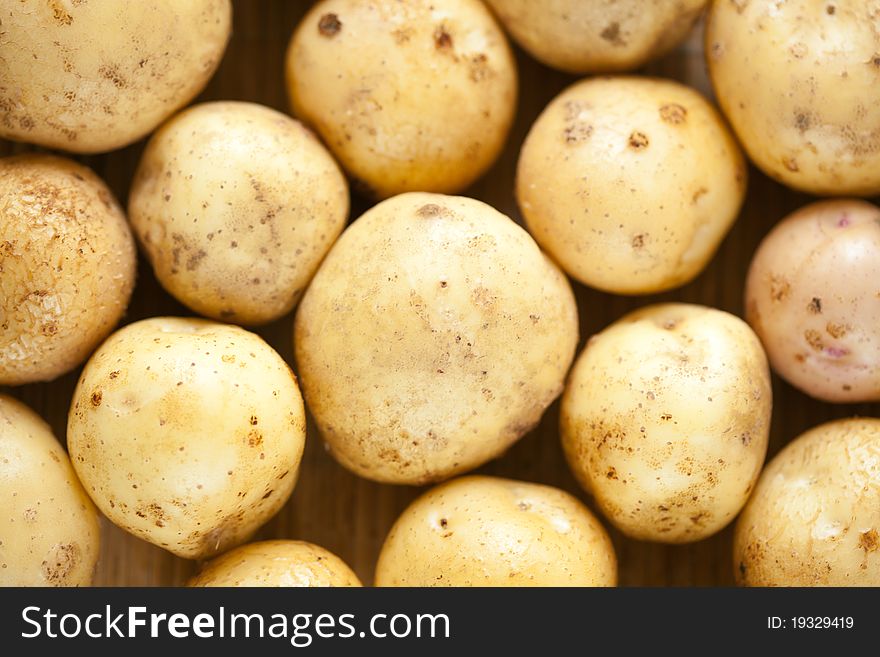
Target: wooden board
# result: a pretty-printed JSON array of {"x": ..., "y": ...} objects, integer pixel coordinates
[{"x": 351, "y": 516}]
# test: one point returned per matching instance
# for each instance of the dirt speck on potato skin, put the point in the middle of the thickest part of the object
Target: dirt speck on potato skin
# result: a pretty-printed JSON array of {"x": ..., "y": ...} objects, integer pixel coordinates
[
  {"x": 869, "y": 541},
  {"x": 430, "y": 210},
  {"x": 814, "y": 339},
  {"x": 779, "y": 288},
  {"x": 837, "y": 330},
  {"x": 442, "y": 38},
  {"x": 612, "y": 34},
  {"x": 60, "y": 563},
  {"x": 59, "y": 13},
  {"x": 638, "y": 140},
  {"x": 111, "y": 73},
  {"x": 673, "y": 113},
  {"x": 329, "y": 25},
  {"x": 802, "y": 121},
  {"x": 576, "y": 132}
]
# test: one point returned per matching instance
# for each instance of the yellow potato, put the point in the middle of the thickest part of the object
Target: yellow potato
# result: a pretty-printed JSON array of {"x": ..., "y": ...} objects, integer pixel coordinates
[
  {"x": 592, "y": 36},
  {"x": 276, "y": 563},
  {"x": 90, "y": 77},
  {"x": 665, "y": 420},
  {"x": 486, "y": 531},
  {"x": 800, "y": 83},
  {"x": 49, "y": 533},
  {"x": 410, "y": 95},
  {"x": 235, "y": 205},
  {"x": 433, "y": 336},
  {"x": 630, "y": 183},
  {"x": 67, "y": 266},
  {"x": 812, "y": 298},
  {"x": 814, "y": 518},
  {"x": 187, "y": 433}
]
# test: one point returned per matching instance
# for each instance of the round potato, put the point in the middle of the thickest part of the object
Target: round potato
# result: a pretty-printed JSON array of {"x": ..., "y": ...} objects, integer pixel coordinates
[
  {"x": 800, "y": 83},
  {"x": 49, "y": 532},
  {"x": 235, "y": 205},
  {"x": 811, "y": 296},
  {"x": 665, "y": 420},
  {"x": 276, "y": 563},
  {"x": 814, "y": 518},
  {"x": 187, "y": 433},
  {"x": 486, "y": 531},
  {"x": 630, "y": 183},
  {"x": 596, "y": 36},
  {"x": 410, "y": 95},
  {"x": 90, "y": 77},
  {"x": 433, "y": 336},
  {"x": 67, "y": 266}
]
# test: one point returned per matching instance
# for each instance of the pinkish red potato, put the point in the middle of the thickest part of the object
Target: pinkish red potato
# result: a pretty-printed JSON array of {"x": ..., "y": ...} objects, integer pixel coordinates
[{"x": 813, "y": 297}]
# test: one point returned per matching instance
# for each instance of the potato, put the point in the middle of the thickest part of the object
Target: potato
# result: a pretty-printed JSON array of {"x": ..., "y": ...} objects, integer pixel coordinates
[
  {"x": 67, "y": 266},
  {"x": 811, "y": 296},
  {"x": 276, "y": 563},
  {"x": 800, "y": 83},
  {"x": 592, "y": 36},
  {"x": 433, "y": 336},
  {"x": 49, "y": 532},
  {"x": 90, "y": 77},
  {"x": 487, "y": 531},
  {"x": 814, "y": 518},
  {"x": 235, "y": 205},
  {"x": 187, "y": 433},
  {"x": 665, "y": 420},
  {"x": 630, "y": 183},
  {"x": 410, "y": 95}
]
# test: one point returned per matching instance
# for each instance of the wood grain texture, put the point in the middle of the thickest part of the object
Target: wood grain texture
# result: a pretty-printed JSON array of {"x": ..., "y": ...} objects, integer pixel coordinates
[{"x": 350, "y": 516}]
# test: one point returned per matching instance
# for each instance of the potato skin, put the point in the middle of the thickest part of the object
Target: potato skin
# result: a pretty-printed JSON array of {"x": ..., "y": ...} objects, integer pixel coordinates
[
  {"x": 91, "y": 77},
  {"x": 630, "y": 184},
  {"x": 488, "y": 531},
  {"x": 799, "y": 82},
  {"x": 276, "y": 563},
  {"x": 67, "y": 266},
  {"x": 410, "y": 95},
  {"x": 235, "y": 205},
  {"x": 665, "y": 420},
  {"x": 187, "y": 433},
  {"x": 597, "y": 36},
  {"x": 811, "y": 296},
  {"x": 814, "y": 518},
  {"x": 433, "y": 336},
  {"x": 49, "y": 526}
]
